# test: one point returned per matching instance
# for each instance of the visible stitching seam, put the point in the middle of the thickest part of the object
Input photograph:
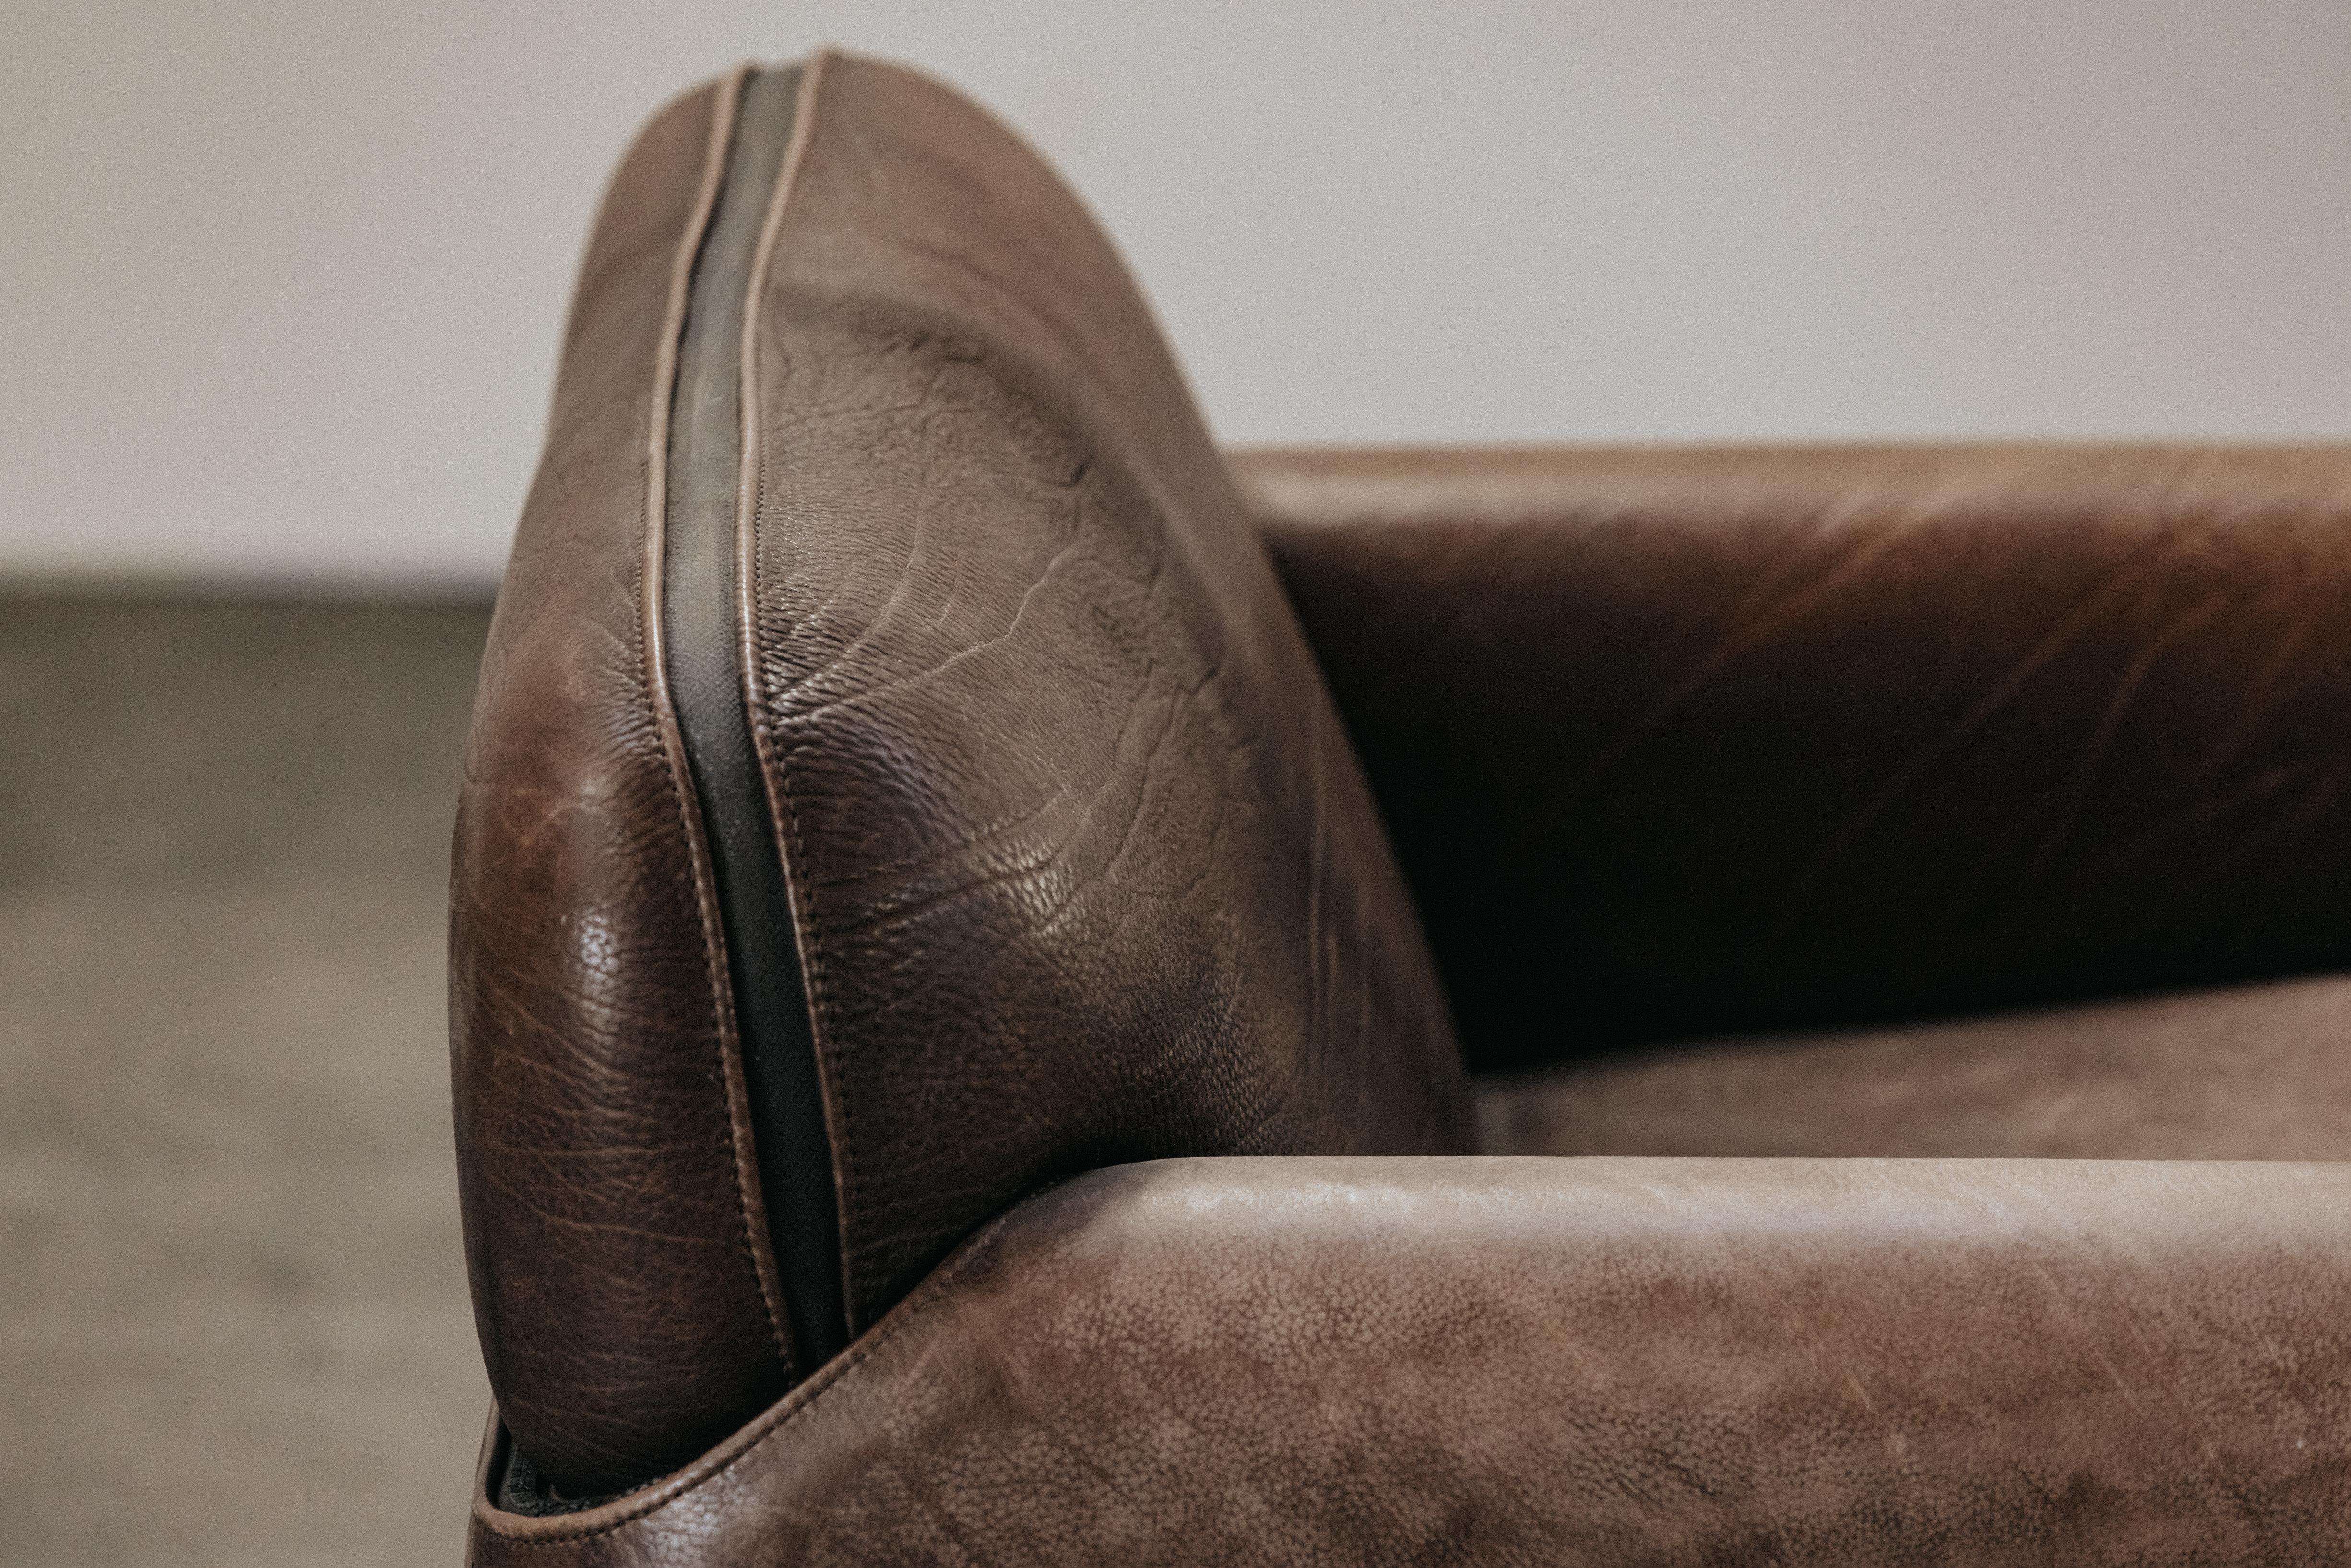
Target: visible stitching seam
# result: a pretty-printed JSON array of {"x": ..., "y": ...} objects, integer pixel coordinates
[
  {"x": 848, "y": 1182},
  {"x": 728, "y": 1069},
  {"x": 916, "y": 1308}
]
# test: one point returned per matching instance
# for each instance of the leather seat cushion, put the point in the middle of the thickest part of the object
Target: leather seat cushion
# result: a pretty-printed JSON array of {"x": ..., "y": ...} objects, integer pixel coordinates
[{"x": 2254, "y": 1072}]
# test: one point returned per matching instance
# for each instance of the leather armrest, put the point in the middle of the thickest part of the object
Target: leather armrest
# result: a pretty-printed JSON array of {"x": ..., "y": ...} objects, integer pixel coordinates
[
  {"x": 1674, "y": 743},
  {"x": 1592, "y": 1361}
]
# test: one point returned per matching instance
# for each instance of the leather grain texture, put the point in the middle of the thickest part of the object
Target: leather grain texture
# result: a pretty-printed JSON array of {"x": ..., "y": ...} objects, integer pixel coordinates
[
  {"x": 1569, "y": 1362},
  {"x": 2253, "y": 1072},
  {"x": 1084, "y": 868},
  {"x": 1675, "y": 743},
  {"x": 613, "y": 1228},
  {"x": 1081, "y": 868},
  {"x": 699, "y": 631}
]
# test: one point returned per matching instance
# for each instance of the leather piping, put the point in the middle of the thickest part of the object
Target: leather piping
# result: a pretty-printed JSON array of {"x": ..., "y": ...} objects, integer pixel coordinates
[
  {"x": 841, "y": 1134},
  {"x": 607, "y": 1515},
  {"x": 789, "y": 1142},
  {"x": 758, "y": 1244}
]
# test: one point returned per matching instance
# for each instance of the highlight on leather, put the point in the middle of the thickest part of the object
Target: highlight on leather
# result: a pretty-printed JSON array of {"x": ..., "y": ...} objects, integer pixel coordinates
[
  {"x": 903, "y": 823},
  {"x": 1537, "y": 1360},
  {"x": 899, "y": 781}
]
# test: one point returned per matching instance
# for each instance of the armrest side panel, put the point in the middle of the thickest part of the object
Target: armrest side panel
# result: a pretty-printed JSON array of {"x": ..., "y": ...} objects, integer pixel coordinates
[
  {"x": 1678, "y": 743},
  {"x": 1597, "y": 1361}
]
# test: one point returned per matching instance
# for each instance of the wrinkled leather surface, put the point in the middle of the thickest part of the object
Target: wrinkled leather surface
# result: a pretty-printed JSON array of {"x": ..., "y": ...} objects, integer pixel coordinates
[
  {"x": 1084, "y": 868},
  {"x": 2257, "y": 1072},
  {"x": 1684, "y": 742},
  {"x": 1086, "y": 872},
  {"x": 610, "y": 1230},
  {"x": 1607, "y": 1362}
]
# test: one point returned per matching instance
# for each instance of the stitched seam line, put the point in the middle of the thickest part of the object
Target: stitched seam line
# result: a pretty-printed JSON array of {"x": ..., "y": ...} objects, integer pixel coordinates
[
  {"x": 918, "y": 1307},
  {"x": 848, "y": 1180},
  {"x": 655, "y": 512}
]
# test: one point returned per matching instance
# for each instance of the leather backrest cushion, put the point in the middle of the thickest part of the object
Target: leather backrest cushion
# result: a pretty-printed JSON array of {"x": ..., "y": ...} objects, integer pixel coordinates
[
  {"x": 1726, "y": 741},
  {"x": 610, "y": 1230},
  {"x": 1087, "y": 869},
  {"x": 1081, "y": 867}
]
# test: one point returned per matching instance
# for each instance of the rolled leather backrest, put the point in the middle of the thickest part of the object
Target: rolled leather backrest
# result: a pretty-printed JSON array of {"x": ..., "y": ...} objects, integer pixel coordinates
[{"x": 897, "y": 780}]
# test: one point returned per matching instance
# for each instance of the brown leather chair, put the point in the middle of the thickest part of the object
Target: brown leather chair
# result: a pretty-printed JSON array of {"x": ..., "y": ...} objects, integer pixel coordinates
[{"x": 963, "y": 898}]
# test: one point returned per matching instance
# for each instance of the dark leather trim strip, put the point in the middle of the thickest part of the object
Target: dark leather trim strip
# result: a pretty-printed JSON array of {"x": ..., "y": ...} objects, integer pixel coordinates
[
  {"x": 743, "y": 1162},
  {"x": 793, "y": 1150}
]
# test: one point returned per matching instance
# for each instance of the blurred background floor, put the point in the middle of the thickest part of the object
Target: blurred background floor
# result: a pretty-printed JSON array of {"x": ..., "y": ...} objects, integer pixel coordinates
[{"x": 234, "y": 1325}]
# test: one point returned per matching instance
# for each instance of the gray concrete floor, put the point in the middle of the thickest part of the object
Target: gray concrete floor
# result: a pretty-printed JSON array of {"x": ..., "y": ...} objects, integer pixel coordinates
[{"x": 232, "y": 1316}]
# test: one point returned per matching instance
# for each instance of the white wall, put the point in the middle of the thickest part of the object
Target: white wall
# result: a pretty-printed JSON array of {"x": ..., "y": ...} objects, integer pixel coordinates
[{"x": 280, "y": 280}]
